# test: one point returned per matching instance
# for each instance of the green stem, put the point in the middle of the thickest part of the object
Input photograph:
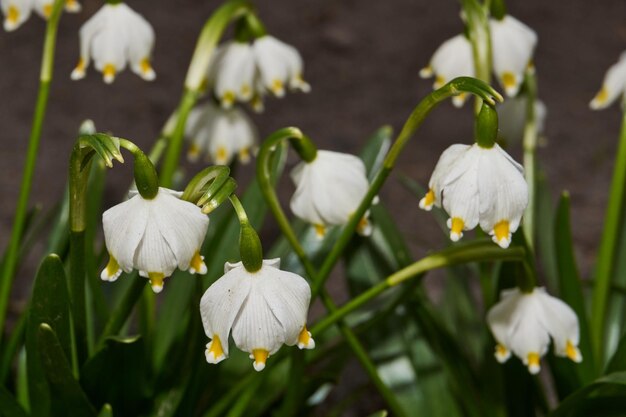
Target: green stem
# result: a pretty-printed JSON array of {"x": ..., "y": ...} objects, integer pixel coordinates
[
  {"x": 608, "y": 246},
  {"x": 77, "y": 294},
  {"x": 47, "y": 63},
  {"x": 470, "y": 252},
  {"x": 123, "y": 309},
  {"x": 477, "y": 16},
  {"x": 530, "y": 152}
]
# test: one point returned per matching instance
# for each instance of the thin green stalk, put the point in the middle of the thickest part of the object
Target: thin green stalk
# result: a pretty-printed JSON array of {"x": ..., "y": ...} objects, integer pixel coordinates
[
  {"x": 530, "y": 152},
  {"x": 47, "y": 63},
  {"x": 608, "y": 247}
]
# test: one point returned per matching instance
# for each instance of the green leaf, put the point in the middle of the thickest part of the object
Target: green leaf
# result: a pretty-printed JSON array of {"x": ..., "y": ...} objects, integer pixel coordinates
[
  {"x": 571, "y": 404},
  {"x": 571, "y": 286},
  {"x": 106, "y": 411},
  {"x": 118, "y": 375},
  {"x": 546, "y": 238},
  {"x": 375, "y": 150},
  {"x": 68, "y": 398},
  {"x": 49, "y": 304},
  {"x": 9, "y": 407},
  {"x": 617, "y": 363}
]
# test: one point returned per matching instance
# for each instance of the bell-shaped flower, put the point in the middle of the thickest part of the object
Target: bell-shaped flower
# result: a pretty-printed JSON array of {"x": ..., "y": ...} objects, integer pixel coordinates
[
  {"x": 114, "y": 37},
  {"x": 246, "y": 72},
  {"x": 154, "y": 236},
  {"x": 44, "y": 7},
  {"x": 613, "y": 86},
  {"x": 523, "y": 323},
  {"x": 329, "y": 189},
  {"x": 513, "y": 44},
  {"x": 477, "y": 185},
  {"x": 512, "y": 118},
  {"x": 221, "y": 134},
  {"x": 452, "y": 59},
  {"x": 17, "y": 12},
  {"x": 263, "y": 310}
]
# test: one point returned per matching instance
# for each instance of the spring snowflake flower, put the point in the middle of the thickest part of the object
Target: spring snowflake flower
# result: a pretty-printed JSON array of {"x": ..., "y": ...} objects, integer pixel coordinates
[
  {"x": 222, "y": 134},
  {"x": 154, "y": 236},
  {"x": 452, "y": 59},
  {"x": 246, "y": 72},
  {"x": 613, "y": 86},
  {"x": 513, "y": 44},
  {"x": 329, "y": 189},
  {"x": 478, "y": 185},
  {"x": 114, "y": 37},
  {"x": 17, "y": 12},
  {"x": 263, "y": 310},
  {"x": 523, "y": 323}
]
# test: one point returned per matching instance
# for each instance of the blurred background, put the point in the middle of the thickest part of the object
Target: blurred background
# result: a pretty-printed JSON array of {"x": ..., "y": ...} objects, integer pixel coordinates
[{"x": 362, "y": 60}]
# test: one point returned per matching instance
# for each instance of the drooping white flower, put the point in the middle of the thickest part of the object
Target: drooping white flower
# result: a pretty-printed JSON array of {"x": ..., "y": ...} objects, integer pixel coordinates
[
  {"x": 114, "y": 37},
  {"x": 263, "y": 310},
  {"x": 154, "y": 236},
  {"x": 512, "y": 118},
  {"x": 613, "y": 85},
  {"x": 523, "y": 323},
  {"x": 329, "y": 189},
  {"x": 17, "y": 12},
  {"x": 513, "y": 44},
  {"x": 246, "y": 72},
  {"x": 452, "y": 59},
  {"x": 221, "y": 134},
  {"x": 478, "y": 185}
]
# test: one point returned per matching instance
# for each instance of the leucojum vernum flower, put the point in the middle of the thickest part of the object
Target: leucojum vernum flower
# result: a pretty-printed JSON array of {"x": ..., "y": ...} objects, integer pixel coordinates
[{"x": 16, "y": 12}]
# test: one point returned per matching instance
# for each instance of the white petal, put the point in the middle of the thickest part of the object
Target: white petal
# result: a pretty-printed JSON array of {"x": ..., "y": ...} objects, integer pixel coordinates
[
  {"x": 273, "y": 68},
  {"x": 16, "y": 12},
  {"x": 560, "y": 321},
  {"x": 452, "y": 59},
  {"x": 445, "y": 163},
  {"x": 459, "y": 189},
  {"x": 613, "y": 85},
  {"x": 234, "y": 73}
]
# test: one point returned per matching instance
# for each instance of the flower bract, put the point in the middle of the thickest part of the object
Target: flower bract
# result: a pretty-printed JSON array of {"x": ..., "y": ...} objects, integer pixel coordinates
[
  {"x": 154, "y": 236},
  {"x": 114, "y": 37},
  {"x": 613, "y": 85},
  {"x": 329, "y": 189},
  {"x": 222, "y": 134},
  {"x": 262, "y": 310},
  {"x": 476, "y": 185},
  {"x": 523, "y": 323}
]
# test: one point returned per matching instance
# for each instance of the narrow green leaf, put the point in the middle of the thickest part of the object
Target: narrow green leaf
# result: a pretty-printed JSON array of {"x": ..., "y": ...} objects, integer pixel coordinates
[
  {"x": 571, "y": 286},
  {"x": 106, "y": 411},
  {"x": 570, "y": 405},
  {"x": 617, "y": 363},
  {"x": 9, "y": 407},
  {"x": 375, "y": 150},
  {"x": 546, "y": 237},
  {"x": 68, "y": 398},
  {"x": 49, "y": 304}
]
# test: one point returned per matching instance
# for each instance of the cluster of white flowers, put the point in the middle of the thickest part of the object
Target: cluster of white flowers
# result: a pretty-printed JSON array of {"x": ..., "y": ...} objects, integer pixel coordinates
[
  {"x": 246, "y": 72},
  {"x": 17, "y": 12},
  {"x": 523, "y": 323},
  {"x": 114, "y": 37},
  {"x": 477, "y": 185},
  {"x": 329, "y": 189},
  {"x": 613, "y": 85},
  {"x": 220, "y": 133},
  {"x": 512, "y": 44}
]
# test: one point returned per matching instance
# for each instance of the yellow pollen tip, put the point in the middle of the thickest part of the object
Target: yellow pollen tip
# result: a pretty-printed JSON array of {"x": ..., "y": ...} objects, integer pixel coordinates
[
  {"x": 277, "y": 87},
  {"x": 228, "y": 99},
  {"x": 145, "y": 66},
  {"x": 81, "y": 65},
  {"x": 457, "y": 225},
  {"x": 260, "y": 357},
  {"x": 109, "y": 72},
  {"x": 112, "y": 267},
  {"x": 429, "y": 198},
  {"x": 501, "y": 351},
  {"x": 13, "y": 14},
  {"x": 305, "y": 341},
  {"x": 572, "y": 352},
  {"x": 156, "y": 281},
  {"x": 197, "y": 265},
  {"x": 363, "y": 227},
  {"x": 193, "y": 151},
  {"x": 245, "y": 90},
  {"x": 221, "y": 156},
  {"x": 533, "y": 362},
  {"x": 215, "y": 352},
  {"x": 602, "y": 96},
  {"x": 508, "y": 80},
  {"x": 244, "y": 155},
  {"x": 439, "y": 81},
  {"x": 320, "y": 231},
  {"x": 501, "y": 230},
  {"x": 47, "y": 10}
]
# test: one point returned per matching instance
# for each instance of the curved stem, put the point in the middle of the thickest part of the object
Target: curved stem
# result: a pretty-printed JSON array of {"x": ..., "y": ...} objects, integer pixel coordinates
[
  {"x": 608, "y": 246},
  {"x": 530, "y": 151},
  {"x": 47, "y": 63}
]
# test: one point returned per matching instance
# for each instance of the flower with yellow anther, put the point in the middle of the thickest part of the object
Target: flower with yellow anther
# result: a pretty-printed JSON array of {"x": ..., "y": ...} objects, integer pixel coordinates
[
  {"x": 262, "y": 310},
  {"x": 44, "y": 7},
  {"x": 220, "y": 134},
  {"x": 114, "y": 37},
  {"x": 523, "y": 323},
  {"x": 452, "y": 59},
  {"x": 512, "y": 44},
  {"x": 246, "y": 72},
  {"x": 613, "y": 86},
  {"x": 17, "y": 12},
  {"x": 154, "y": 236},
  {"x": 477, "y": 185},
  {"x": 329, "y": 189}
]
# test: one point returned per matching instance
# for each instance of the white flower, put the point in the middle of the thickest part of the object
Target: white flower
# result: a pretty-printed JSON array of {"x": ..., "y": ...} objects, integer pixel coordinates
[
  {"x": 246, "y": 72},
  {"x": 512, "y": 118},
  {"x": 452, "y": 59},
  {"x": 114, "y": 36},
  {"x": 613, "y": 86},
  {"x": 222, "y": 134},
  {"x": 524, "y": 323},
  {"x": 154, "y": 236},
  {"x": 17, "y": 12},
  {"x": 329, "y": 189},
  {"x": 263, "y": 310},
  {"x": 513, "y": 44},
  {"x": 478, "y": 185}
]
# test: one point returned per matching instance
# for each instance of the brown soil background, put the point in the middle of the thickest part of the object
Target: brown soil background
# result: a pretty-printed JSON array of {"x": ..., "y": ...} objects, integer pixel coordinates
[{"x": 362, "y": 59}]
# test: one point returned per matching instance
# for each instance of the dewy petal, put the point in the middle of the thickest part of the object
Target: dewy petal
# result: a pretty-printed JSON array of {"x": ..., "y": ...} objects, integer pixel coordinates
[
  {"x": 613, "y": 86},
  {"x": 15, "y": 13},
  {"x": 452, "y": 59},
  {"x": 512, "y": 44}
]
